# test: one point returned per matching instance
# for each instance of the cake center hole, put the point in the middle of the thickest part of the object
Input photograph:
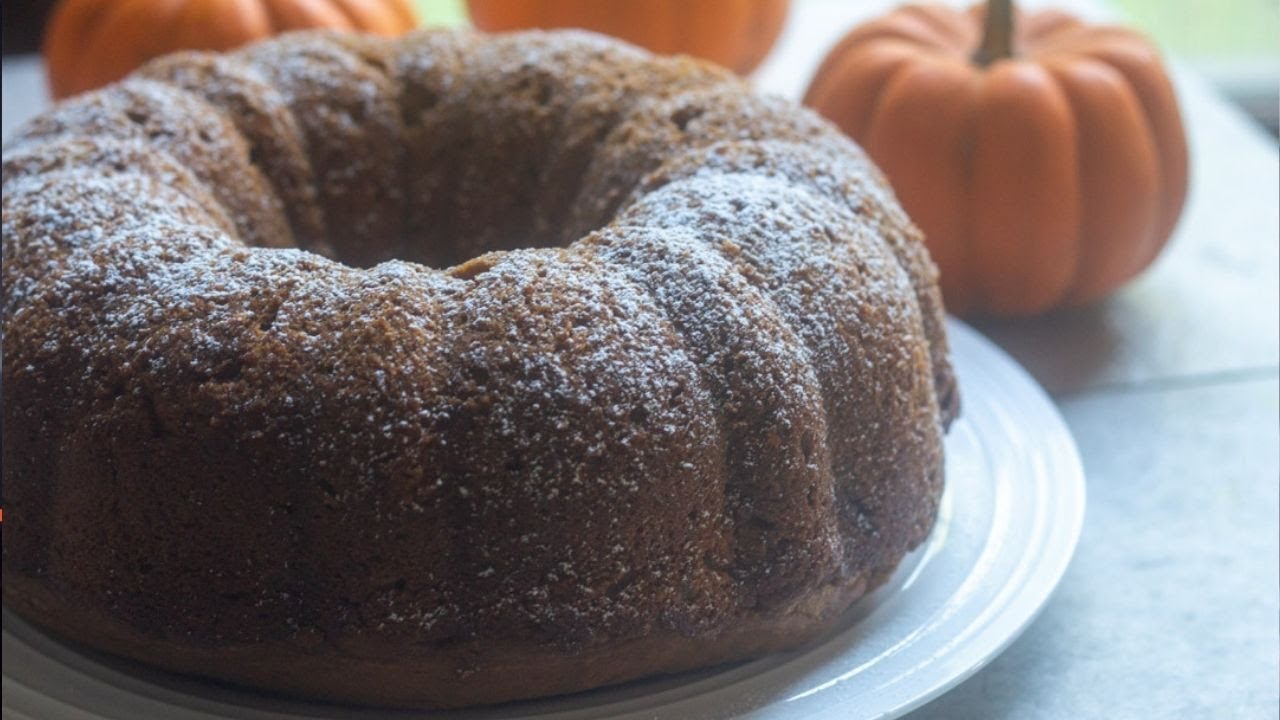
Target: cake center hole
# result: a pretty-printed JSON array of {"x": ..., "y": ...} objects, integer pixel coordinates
[
  {"x": 442, "y": 245},
  {"x": 493, "y": 189}
]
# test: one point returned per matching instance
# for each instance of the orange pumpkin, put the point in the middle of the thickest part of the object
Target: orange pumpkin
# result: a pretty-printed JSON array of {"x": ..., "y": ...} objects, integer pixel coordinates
[
  {"x": 733, "y": 33},
  {"x": 90, "y": 43},
  {"x": 1046, "y": 163}
]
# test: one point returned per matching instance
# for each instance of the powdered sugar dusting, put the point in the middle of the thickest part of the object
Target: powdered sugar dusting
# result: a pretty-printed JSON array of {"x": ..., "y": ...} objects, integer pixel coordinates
[
  {"x": 182, "y": 126},
  {"x": 718, "y": 406}
]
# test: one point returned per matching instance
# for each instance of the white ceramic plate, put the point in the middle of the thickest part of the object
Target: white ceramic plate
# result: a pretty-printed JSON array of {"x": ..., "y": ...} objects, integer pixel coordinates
[{"x": 1009, "y": 522}]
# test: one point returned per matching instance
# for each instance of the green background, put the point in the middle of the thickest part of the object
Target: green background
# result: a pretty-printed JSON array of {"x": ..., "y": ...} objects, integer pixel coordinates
[
  {"x": 1196, "y": 28},
  {"x": 441, "y": 12},
  {"x": 1209, "y": 28}
]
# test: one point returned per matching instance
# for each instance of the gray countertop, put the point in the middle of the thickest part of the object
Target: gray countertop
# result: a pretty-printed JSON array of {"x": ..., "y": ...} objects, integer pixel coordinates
[{"x": 1171, "y": 607}]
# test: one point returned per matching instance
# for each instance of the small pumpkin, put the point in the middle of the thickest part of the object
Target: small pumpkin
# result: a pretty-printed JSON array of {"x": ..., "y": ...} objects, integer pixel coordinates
[
  {"x": 734, "y": 33},
  {"x": 89, "y": 43},
  {"x": 1044, "y": 158}
]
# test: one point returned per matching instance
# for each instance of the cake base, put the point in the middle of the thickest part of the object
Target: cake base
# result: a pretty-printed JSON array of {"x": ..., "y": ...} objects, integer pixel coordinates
[{"x": 357, "y": 671}]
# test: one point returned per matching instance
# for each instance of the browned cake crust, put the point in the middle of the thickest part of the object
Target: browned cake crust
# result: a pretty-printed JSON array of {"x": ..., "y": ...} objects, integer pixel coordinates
[{"x": 456, "y": 369}]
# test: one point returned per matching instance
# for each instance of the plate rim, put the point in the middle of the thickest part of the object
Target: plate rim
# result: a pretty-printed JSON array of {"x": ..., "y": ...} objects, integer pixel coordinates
[{"x": 1073, "y": 475}]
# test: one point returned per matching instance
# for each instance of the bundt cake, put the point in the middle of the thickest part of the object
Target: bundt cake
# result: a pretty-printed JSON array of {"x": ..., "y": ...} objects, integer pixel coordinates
[{"x": 456, "y": 369}]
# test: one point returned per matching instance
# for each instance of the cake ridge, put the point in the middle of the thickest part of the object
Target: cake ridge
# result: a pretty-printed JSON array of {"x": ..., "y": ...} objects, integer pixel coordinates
[
  {"x": 756, "y": 425},
  {"x": 723, "y": 208},
  {"x": 185, "y": 126},
  {"x": 338, "y": 99},
  {"x": 245, "y": 97},
  {"x": 866, "y": 195},
  {"x": 37, "y": 192}
]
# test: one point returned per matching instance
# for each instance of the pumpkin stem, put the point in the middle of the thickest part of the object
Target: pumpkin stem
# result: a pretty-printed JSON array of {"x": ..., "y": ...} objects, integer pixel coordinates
[{"x": 997, "y": 33}]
